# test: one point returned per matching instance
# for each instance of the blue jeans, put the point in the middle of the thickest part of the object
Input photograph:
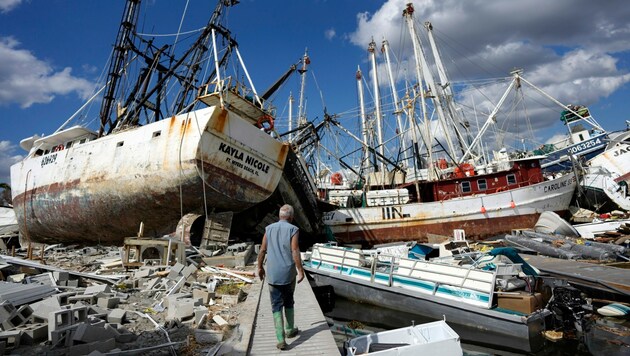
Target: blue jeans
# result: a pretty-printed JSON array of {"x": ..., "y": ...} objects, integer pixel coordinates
[{"x": 281, "y": 296}]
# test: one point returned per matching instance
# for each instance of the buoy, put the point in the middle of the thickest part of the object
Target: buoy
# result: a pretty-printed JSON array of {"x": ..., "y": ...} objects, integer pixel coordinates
[
  {"x": 512, "y": 205},
  {"x": 614, "y": 309},
  {"x": 483, "y": 209}
]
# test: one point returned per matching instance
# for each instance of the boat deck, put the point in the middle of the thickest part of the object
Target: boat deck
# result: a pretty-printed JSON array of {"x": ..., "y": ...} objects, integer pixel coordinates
[
  {"x": 605, "y": 278},
  {"x": 315, "y": 337}
]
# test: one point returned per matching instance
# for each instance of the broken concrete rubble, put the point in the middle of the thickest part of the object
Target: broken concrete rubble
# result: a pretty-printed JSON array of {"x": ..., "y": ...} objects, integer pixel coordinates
[{"x": 88, "y": 301}]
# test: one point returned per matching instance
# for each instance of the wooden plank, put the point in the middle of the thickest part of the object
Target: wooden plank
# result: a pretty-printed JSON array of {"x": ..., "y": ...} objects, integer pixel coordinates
[
  {"x": 315, "y": 337},
  {"x": 602, "y": 277}
]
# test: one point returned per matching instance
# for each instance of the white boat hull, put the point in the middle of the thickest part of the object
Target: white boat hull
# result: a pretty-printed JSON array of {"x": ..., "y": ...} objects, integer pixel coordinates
[
  {"x": 480, "y": 215},
  {"x": 103, "y": 189}
]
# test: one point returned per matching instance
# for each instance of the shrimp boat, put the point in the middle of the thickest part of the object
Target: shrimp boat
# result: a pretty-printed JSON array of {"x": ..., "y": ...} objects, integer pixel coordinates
[
  {"x": 212, "y": 148},
  {"x": 462, "y": 189}
]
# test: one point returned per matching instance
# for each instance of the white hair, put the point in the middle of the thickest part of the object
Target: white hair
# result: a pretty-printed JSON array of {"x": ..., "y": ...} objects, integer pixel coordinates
[{"x": 286, "y": 212}]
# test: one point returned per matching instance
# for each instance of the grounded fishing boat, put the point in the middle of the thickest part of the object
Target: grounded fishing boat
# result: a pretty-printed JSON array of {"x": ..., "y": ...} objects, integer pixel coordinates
[
  {"x": 441, "y": 191},
  {"x": 486, "y": 294},
  {"x": 148, "y": 161},
  {"x": 607, "y": 176}
]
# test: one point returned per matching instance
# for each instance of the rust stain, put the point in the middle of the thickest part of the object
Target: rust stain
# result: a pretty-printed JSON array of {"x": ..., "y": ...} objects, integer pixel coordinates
[
  {"x": 477, "y": 229},
  {"x": 282, "y": 154},
  {"x": 218, "y": 120}
]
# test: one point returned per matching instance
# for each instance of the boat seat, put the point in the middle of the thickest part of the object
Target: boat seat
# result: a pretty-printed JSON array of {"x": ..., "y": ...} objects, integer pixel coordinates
[{"x": 380, "y": 346}]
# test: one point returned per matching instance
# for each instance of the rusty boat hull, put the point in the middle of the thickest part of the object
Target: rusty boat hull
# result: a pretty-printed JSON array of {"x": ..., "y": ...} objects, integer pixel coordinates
[
  {"x": 481, "y": 216},
  {"x": 102, "y": 189}
]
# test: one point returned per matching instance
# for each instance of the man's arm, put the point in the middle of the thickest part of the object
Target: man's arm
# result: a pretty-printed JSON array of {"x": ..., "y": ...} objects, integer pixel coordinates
[
  {"x": 261, "y": 257},
  {"x": 297, "y": 258}
]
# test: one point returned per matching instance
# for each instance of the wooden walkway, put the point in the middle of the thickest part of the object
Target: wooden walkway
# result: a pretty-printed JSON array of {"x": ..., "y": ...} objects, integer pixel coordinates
[
  {"x": 605, "y": 278},
  {"x": 314, "y": 338}
]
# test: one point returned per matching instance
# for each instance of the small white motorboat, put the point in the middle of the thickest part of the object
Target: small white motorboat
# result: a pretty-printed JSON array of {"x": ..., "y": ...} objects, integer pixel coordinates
[{"x": 423, "y": 339}]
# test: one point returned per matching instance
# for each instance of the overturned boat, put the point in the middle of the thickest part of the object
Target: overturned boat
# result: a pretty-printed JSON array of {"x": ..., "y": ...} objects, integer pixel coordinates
[
  {"x": 607, "y": 176},
  {"x": 156, "y": 156}
]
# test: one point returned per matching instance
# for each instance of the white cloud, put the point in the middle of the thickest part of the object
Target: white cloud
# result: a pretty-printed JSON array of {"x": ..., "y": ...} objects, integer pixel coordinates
[
  {"x": 330, "y": 34},
  {"x": 8, "y": 5},
  {"x": 7, "y": 158},
  {"x": 27, "y": 80}
]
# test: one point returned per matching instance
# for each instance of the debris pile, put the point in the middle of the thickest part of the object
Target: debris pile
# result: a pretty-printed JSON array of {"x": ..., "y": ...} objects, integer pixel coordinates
[{"x": 154, "y": 296}]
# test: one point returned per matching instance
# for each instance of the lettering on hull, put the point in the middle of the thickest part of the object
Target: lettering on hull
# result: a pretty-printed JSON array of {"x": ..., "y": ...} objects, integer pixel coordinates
[{"x": 243, "y": 161}]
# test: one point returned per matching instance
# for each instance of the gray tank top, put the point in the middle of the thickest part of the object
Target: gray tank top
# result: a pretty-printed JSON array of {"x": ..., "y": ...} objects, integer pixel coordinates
[{"x": 280, "y": 265}]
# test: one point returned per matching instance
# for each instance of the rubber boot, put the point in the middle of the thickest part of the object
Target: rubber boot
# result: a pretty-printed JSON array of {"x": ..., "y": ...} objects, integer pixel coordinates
[
  {"x": 279, "y": 324},
  {"x": 290, "y": 330}
]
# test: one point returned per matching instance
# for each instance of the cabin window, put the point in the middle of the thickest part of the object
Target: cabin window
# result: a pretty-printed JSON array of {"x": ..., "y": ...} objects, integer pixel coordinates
[
  {"x": 119, "y": 144},
  {"x": 466, "y": 187},
  {"x": 482, "y": 184},
  {"x": 581, "y": 137},
  {"x": 69, "y": 144},
  {"x": 511, "y": 179},
  {"x": 157, "y": 133},
  {"x": 82, "y": 141},
  {"x": 46, "y": 152}
]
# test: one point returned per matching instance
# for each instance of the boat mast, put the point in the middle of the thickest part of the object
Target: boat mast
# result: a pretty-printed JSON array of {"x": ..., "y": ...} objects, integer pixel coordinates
[
  {"x": 377, "y": 104},
  {"x": 397, "y": 108},
  {"x": 301, "y": 109},
  {"x": 291, "y": 100},
  {"x": 491, "y": 118},
  {"x": 364, "y": 128},
  {"x": 432, "y": 92},
  {"x": 121, "y": 50},
  {"x": 445, "y": 85},
  {"x": 428, "y": 139}
]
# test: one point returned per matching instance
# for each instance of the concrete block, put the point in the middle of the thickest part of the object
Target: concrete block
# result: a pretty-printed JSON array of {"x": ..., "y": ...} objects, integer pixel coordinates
[
  {"x": 143, "y": 273},
  {"x": 177, "y": 267},
  {"x": 6, "y": 310},
  {"x": 116, "y": 316},
  {"x": 188, "y": 271},
  {"x": 99, "y": 288},
  {"x": 219, "y": 320},
  {"x": 65, "y": 318},
  {"x": 63, "y": 336},
  {"x": 35, "y": 332},
  {"x": 108, "y": 303},
  {"x": 61, "y": 276},
  {"x": 72, "y": 283},
  {"x": 97, "y": 312},
  {"x": 88, "y": 298},
  {"x": 203, "y": 294},
  {"x": 180, "y": 309},
  {"x": 167, "y": 300},
  {"x": 63, "y": 297},
  {"x": 152, "y": 283},
  {"x": 229, "y": 299},
  {"x": 18, "y": 318},
  {"x": 43, "y": 308},
  {"x": 204, "y": 336},
  {"x": 11, "y": 339},
  {"x": 200, "y": 313}
]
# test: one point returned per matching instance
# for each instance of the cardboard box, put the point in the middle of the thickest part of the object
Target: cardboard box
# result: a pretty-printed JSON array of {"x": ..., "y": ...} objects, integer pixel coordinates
[{"x": 522, "y": 302}]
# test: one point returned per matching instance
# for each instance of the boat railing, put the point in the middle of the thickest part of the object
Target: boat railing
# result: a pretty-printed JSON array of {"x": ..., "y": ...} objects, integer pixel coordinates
[{"x": 231, "y": 86}]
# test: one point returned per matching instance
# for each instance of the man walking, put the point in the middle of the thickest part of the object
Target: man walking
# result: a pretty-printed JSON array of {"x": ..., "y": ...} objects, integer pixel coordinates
[{"x": 281, "y": 243}]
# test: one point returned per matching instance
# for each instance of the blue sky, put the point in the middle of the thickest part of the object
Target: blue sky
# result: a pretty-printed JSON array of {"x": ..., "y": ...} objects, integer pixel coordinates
[{"x": 52, "y": 53}]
